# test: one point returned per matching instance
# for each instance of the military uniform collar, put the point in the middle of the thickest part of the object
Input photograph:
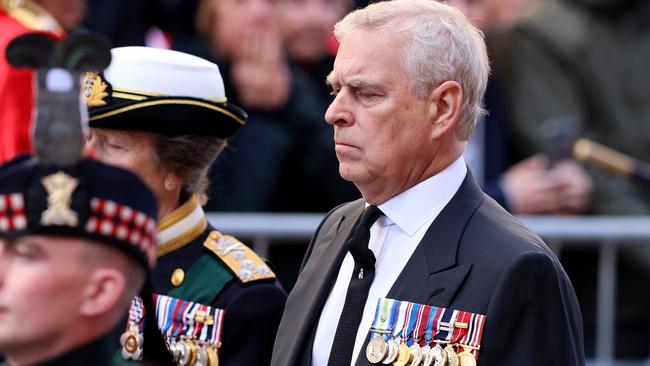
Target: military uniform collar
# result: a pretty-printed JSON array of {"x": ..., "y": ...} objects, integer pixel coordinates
[
  {"x": 181, "y": 227},
  {"x": 31, "y": 15}
]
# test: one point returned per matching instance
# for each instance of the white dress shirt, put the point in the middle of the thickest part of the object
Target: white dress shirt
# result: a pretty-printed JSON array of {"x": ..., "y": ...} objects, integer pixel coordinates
[{"x": 393, "y": 240}]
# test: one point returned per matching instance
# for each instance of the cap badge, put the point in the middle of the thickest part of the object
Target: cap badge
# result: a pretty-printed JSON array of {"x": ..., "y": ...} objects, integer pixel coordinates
[
  {"x": 59, "y": 187},
  {"x": 94, "y": 90}
]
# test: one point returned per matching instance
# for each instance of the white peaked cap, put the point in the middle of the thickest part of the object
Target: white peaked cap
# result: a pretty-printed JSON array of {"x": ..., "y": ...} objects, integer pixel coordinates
[
  {"x": 161, "y": 91},
  {"x": 165, "y": 72}
]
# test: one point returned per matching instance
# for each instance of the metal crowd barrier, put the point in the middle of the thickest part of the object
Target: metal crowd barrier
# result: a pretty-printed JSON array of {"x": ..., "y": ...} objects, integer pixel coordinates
[{"x": 261, "y": 230}]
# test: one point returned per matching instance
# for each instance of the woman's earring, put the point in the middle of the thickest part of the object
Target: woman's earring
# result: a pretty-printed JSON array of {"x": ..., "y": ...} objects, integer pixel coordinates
[{"x": 169, "y": 183}]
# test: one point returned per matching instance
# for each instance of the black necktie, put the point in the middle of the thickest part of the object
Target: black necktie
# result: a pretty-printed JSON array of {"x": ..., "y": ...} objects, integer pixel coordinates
[{"x": 355, "y": 299}]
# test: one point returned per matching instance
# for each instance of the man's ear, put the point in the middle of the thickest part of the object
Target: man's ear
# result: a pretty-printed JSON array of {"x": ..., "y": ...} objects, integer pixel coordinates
[
  {"x": 103, "y": 291},
  {"x": 443, "y": 108}
]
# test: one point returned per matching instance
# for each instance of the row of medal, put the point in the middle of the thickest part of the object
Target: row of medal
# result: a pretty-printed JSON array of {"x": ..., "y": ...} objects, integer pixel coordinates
[
  {"x": 187, "y": 351},
  {"x": 191, "y": 330},
  {"x": 409, "y": 334}
]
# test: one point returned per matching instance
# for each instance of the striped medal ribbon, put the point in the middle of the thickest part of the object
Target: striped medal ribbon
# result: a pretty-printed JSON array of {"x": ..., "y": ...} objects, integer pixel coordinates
[
  {"x": 429, "y": 334},
  {"x": 410, "y": 315},
  {"x": 193, "y": 331},
  {"x": 470, "y": 343},
  {"x": 380, "y": 330}
]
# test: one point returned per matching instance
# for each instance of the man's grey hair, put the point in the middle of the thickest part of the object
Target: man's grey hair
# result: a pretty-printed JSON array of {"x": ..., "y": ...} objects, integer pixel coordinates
[{"x": 442, "y": 45}]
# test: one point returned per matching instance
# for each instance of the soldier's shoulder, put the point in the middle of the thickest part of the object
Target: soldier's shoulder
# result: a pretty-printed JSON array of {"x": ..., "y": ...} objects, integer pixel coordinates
[{"x": 238, "y": 258}]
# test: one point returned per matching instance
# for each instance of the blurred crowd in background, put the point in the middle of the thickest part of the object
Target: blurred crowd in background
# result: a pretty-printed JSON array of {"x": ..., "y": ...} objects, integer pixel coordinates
[{"x": 560, "y": 68}]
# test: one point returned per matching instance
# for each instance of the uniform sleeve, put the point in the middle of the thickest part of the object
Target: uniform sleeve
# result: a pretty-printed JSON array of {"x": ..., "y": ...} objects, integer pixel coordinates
[
  {"x": 251, "y": 321},
  {"x": 533, "y": 317}
]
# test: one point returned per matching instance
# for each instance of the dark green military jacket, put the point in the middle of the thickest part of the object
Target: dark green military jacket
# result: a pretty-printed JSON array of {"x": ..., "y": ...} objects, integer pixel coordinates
[
  {"x": 197, "y": 263},
  {"x": 97, "y": 352}
]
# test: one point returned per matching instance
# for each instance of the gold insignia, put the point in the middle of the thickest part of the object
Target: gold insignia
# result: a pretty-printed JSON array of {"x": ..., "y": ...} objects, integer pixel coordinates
[
  {"x": 202, "y": 317},
  {"x": 59, "y": 187},
  {"x": 461, "y": 325},
  {"x": 94, "y": 90},
  {"x": 241, "y": 260}
]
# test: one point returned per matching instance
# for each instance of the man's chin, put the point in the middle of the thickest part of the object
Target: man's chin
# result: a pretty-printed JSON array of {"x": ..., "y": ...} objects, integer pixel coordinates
[
  {"x": 346, "y": 173},
  {"x": 352, "y": 175}
]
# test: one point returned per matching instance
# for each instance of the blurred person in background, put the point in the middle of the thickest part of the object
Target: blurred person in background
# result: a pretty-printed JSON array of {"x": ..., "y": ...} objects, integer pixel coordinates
[
  {"x": 306, "y": 29},
  {"x": 279, "y": 158},
  {"x": 584, "y": 63},
  {"x": 128, "y": 22},
  {"x": 585, "y": 60},
  {"x": 531, "y": 186},
  {"x": 18, "y": 17}
]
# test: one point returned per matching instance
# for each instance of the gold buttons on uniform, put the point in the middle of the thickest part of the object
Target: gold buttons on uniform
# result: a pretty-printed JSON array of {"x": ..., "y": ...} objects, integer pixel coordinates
[{"x": 178, "y": 277}]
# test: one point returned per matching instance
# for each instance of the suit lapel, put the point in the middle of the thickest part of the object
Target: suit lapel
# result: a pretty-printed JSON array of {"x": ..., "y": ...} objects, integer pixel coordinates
[
  {"x": 315, "y": 282},
  {"x": 431, "y": 275}
]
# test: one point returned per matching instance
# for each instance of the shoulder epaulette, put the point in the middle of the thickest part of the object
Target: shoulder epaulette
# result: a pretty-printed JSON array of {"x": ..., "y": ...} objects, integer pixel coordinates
[
  {"x": 31, "y": 15},
  {"x": 241, "y": 260}
]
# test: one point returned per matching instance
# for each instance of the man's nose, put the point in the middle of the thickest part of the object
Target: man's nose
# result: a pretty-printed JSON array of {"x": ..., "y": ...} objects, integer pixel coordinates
[{"x": 338, "y": 113}]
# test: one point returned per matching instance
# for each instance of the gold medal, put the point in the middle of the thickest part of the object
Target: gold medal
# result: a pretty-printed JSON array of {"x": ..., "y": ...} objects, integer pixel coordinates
[
  {"x": 403, "y": 355},
  {"x": 213, "y": 356},
  {"x": 439, "y": 356},
  {"x": 194, "y": 351},
  {"x": 391, "y": 355},
  {"x": 467, "y": 358},
  {"x": 376, "y": 349},
  {"x": 131, "y": 344},
  {"x": 452, "y": 357},
  {"x": 416, "y": 353}
]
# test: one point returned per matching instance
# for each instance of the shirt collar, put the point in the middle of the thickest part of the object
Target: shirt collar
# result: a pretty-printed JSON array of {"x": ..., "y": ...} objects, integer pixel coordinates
[{"x": 421, "y": 203}]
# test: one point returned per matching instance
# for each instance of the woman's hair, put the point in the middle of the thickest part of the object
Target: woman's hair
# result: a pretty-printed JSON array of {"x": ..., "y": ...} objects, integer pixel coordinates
[{"x": 189, "y": 157}]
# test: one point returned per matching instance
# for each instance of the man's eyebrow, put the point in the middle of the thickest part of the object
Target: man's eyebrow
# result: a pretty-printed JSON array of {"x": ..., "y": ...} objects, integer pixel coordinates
[
  {"x": 354, "y": 82},
  {"x": 361, "y": 83},
  {"x": 329, "y": 79}
]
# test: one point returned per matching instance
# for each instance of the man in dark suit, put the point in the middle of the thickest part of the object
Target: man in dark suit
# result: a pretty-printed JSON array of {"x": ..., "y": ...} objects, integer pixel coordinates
[{"x": 408, "y": 78}]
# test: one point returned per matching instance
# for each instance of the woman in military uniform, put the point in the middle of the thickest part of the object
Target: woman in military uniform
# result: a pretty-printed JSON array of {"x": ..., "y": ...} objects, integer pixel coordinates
[{"x": 164, "y": 115}]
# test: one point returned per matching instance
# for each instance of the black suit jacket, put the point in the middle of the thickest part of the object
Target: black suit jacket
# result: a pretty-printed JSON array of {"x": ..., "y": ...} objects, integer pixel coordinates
[{"x": 474, "y": 257}]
